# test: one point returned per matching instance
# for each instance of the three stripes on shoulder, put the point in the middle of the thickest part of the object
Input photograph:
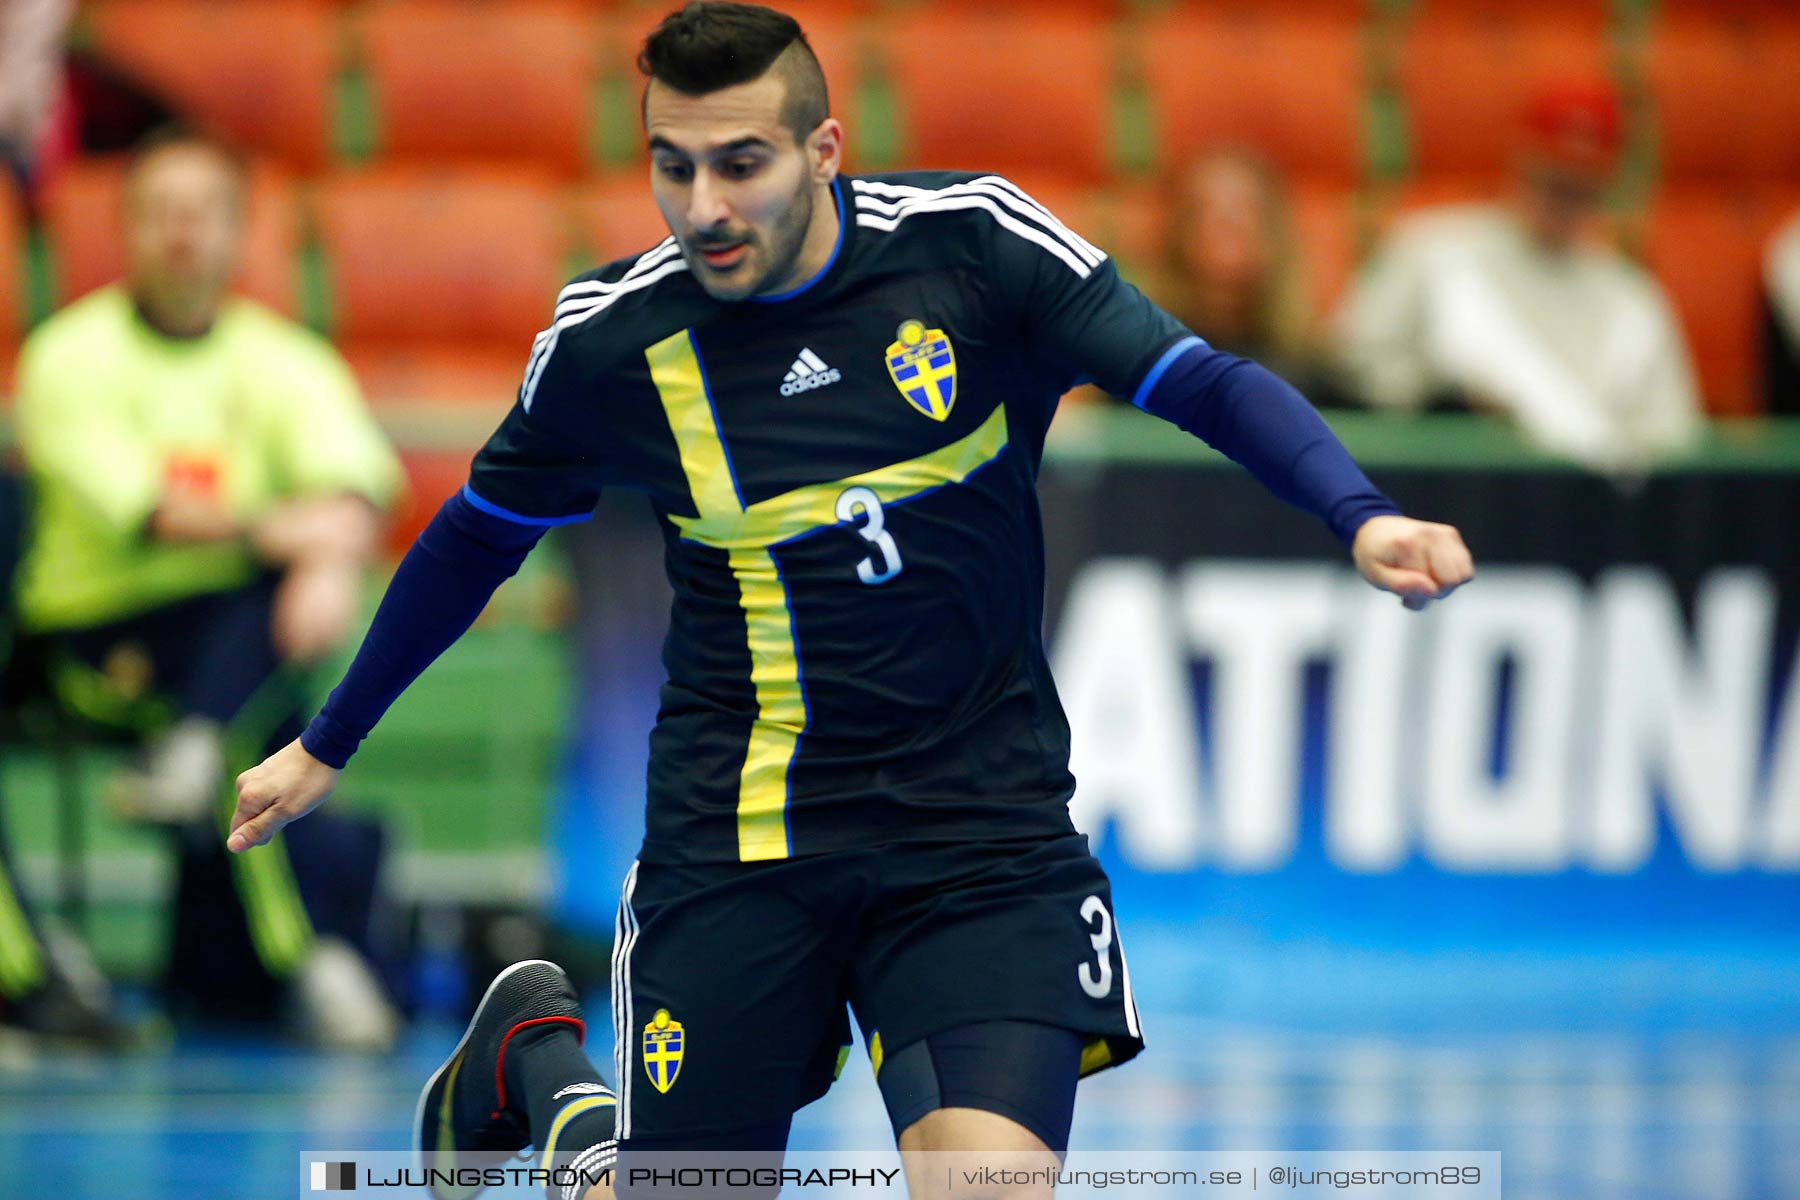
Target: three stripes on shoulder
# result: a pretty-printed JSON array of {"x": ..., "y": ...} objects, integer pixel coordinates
[
  {"x": 884, "y": 205},
  {"x": 879, "y": 206},
  {"x": 580, "y": 301}
]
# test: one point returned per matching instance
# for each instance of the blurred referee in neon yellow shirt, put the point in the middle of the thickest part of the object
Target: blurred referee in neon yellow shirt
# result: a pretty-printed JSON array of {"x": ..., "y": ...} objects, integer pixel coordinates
[{"x": 209, "y": 492}]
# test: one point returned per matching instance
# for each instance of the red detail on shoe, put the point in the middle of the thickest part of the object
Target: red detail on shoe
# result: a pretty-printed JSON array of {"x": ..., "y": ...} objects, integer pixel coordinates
[{"x": 500, "y": 1058}]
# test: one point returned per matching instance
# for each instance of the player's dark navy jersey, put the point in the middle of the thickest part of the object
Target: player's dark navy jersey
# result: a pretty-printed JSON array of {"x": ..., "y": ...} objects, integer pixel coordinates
[{"x": 846, "y": 480}]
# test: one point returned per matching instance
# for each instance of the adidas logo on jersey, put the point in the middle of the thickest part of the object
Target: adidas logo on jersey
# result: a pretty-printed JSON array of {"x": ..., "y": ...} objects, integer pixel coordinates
[{"x": 808, "y": 372}]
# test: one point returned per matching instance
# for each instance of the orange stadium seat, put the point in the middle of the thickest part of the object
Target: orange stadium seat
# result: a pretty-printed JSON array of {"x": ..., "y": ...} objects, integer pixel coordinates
[
  {"x": 508, "y": 81},
  {"x": 83, "y": 216},
  {"x": 12, "y": 263},
  {"x": 12, "y": 287},
  {"x": 1594, "y": 12},
  {"x": 440, "y": 254},
  {"x": 258, "y": 71},
  {"x": 431, "y": 477},
  {"x": 1727, "y": 94},
  {"x": 440, "y": 278},
  {"x": 1288, "y": 85},
  {"x": 1706, "y": 246},
  {"x": 1325, "y": 238},
  {"x": 990, "y": 90},
  {"x": 1465, "y": 78},
  {"x": 1430, "y": 191},
  {"x": 1723, "y": 8},
  {"x": 1027, "y": 9},
  {"x": 475, "y": 376},
  {"x": 615, "y": 216}
]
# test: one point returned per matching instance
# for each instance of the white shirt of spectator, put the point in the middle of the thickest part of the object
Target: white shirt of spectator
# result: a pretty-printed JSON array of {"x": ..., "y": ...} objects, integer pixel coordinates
[
  {"x": 1781, "y": 277},
  {"x": 1581, "y": 347}
]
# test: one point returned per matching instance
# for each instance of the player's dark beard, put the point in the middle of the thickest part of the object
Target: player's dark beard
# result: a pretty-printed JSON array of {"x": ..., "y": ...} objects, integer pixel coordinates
[{"x": 788, "y": 239}]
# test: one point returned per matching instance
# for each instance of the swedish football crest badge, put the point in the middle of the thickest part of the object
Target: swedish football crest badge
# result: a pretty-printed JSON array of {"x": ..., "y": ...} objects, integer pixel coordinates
[
  {"x": 663, "y": 1038},
  {"x": 923, "y": 366}
]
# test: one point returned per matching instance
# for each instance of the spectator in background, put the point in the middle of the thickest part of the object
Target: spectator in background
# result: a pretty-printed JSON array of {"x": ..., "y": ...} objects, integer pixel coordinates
[
  {"x": 1781, "y": 321},
  {"x": 209, "y": 492},
  {"x": 1232, "y": 270},
  {"x": 1519, "y": 308},
  {"x": 49, "y": 986}
]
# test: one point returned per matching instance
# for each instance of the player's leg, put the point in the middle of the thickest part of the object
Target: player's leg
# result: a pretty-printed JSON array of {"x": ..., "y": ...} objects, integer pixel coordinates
[
  {"x": 519, "y": 1078},
  {"x": 729, "y": 994},
  {"x": 992, "y": 980},
  {"x": 983, "y": 1110},
  {"x": 726, "y": 961}
]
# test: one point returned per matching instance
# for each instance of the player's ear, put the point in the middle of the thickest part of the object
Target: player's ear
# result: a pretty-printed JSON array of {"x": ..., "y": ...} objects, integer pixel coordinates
[{"x": 825, "y": 150}]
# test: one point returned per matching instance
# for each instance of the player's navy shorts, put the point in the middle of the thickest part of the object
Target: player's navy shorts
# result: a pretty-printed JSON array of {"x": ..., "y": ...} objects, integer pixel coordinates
[{"x": 731, "y": 980}]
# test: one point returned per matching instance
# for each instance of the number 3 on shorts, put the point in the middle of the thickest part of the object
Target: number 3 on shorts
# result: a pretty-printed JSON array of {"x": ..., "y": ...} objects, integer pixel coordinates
[{"x": 1094, "y": 914}]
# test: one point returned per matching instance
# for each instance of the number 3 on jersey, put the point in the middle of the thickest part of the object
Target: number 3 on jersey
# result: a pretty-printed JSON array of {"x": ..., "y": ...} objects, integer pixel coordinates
[{"x": 885, "y": 563}]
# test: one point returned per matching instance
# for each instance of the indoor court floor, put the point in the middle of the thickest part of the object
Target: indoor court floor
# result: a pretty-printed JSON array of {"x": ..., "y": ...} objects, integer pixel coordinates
[{"x": 1611, "y": 1098}]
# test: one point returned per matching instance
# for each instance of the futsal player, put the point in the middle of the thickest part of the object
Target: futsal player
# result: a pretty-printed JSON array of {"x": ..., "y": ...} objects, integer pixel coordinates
[{"x": 835, "y": 392}]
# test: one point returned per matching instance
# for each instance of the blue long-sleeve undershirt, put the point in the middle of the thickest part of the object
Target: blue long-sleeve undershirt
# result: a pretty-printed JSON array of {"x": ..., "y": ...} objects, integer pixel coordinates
[
  {"x": 441, "y": 586},
  {"x": 471, "y": 548},
  {"x": 1258, "y": 420}
]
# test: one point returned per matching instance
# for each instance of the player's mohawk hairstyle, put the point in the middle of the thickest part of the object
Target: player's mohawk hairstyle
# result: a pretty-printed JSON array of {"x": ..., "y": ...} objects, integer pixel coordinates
[{"x": 714, "y": 44}]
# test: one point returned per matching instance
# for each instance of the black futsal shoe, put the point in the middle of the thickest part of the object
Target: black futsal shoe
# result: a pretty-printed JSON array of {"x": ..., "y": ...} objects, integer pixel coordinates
[{"x": 465, "y": 1118}]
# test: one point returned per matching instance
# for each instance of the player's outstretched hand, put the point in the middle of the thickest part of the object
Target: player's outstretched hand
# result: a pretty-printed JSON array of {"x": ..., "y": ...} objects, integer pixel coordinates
[
  {"x": 285, "y": 787},
  {"x": 1419, "y": 561}
]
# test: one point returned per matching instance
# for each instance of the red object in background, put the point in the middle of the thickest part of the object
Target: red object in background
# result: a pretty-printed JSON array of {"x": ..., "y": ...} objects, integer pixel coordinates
[
  {"x": 60, "y": 139},
  {"x": 1577, "y": 121},
  {"x": 196, "y": 475},
  {"x": 1466, "y": 78}
]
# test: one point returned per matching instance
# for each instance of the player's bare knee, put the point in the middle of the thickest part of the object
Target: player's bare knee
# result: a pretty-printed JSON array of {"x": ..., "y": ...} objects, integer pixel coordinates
[{"x": 972, "y": 1154}]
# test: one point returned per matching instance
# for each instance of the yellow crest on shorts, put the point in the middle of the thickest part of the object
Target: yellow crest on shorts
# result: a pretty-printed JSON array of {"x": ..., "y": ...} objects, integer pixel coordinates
[
  {"x": 663, "y": 1042},
  {"x": 922, "y": 365}
]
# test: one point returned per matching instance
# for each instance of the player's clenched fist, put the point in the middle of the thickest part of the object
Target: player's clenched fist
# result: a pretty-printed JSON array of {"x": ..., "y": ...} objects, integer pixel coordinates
[
  {"x": 1419, "y": 561},
  {"x": 285, "y": 787}
]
